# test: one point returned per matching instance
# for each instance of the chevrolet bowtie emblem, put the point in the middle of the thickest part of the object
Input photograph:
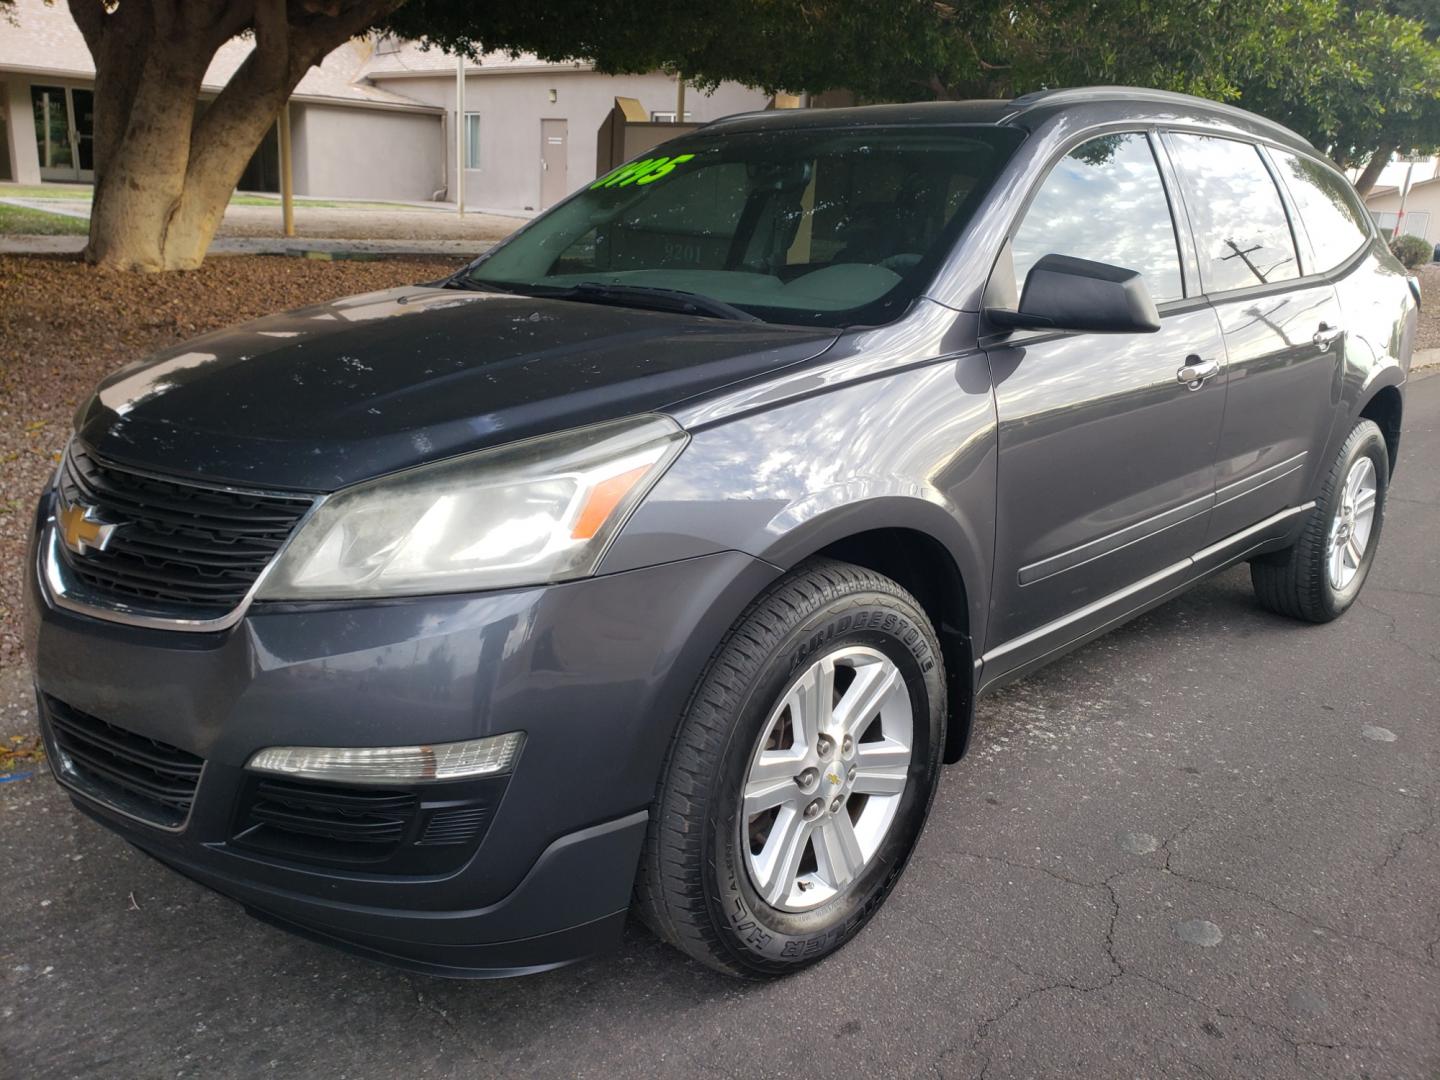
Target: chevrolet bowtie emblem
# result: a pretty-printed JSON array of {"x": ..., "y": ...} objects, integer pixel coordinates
[{"x": 79, "y": 530}]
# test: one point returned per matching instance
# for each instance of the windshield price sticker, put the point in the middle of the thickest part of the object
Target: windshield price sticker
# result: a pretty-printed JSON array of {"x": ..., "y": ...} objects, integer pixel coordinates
[{"x": 645, "y": 171}]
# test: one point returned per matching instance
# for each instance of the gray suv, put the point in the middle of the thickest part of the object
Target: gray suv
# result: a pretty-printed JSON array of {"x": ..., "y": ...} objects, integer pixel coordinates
[{"x": 655, "y": 561}]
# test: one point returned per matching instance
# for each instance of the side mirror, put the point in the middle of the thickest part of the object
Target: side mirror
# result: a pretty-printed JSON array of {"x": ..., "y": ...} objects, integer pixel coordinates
[{"x": 1064, "y": 293}]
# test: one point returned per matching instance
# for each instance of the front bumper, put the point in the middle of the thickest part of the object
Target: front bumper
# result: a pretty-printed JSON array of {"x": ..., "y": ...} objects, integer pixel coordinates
[{"x": 595, "y": 672}]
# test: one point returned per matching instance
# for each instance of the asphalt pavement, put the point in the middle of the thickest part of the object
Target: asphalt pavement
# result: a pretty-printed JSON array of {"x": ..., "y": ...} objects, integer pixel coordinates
[{"x": 1203, "y": 846}]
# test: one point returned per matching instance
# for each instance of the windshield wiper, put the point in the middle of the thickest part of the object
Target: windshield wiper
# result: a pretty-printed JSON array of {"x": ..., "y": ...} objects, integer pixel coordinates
[
  {"x": 463, "y": 280},
  {"x": 600, "y": 292},
  {"x": 653, "y": 296}
]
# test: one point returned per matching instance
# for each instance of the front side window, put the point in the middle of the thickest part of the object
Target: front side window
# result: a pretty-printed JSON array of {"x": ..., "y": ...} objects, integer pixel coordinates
[
  {"x": 1104, "y": 201},
  {"x": 1236, "y": 212},
  {"x": 829, "y": 227},
  {"x": 1332, "y": 215}
]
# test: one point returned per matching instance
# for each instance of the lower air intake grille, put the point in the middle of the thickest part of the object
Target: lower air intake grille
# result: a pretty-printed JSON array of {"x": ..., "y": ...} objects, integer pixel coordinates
[
  {"x": 346, "y": 824},
  {"x": 427, "y": 829},
  {"x": 455, "y": 826},
  {"x": 144, "y": 778}
]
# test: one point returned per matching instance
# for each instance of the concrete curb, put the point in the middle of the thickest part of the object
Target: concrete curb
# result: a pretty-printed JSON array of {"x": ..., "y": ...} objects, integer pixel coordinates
[{"x": 1425, "y": 358}]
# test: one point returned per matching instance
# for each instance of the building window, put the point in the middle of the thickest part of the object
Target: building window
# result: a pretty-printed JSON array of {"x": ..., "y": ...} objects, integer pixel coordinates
[
  {"x": 669, "y": 117},
  {"x": 1417, "y": 223},
  {"x": 472, "y": 140}
]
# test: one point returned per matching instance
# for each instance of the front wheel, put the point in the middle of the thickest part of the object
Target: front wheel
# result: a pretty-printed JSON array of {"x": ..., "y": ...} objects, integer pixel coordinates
[
  {"x": 1320, "y": 575},
  {"x": 800, "y": 776}
]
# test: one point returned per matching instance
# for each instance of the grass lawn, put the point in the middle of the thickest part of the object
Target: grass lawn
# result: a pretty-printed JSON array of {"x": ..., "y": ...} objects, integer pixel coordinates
[
  {"x": 22, "y": 221},
  {"x": 81, "y": 193}
]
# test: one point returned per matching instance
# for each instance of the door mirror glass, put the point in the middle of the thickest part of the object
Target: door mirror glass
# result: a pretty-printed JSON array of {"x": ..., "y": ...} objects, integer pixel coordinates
[{"x": 1065, "y": 293}]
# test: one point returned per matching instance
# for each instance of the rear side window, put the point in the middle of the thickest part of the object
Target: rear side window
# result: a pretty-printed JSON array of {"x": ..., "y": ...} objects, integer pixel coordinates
[
  {"x": 1332, "y": 215},
  {"x": 1236, "y": 212},
  {"x": 1104, "y": 201}
]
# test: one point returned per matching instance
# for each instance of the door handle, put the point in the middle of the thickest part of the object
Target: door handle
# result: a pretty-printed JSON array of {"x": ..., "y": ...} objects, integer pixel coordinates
[
  {"x": 1196, "y": 371},
  {"x": 1325, "y": 336}
]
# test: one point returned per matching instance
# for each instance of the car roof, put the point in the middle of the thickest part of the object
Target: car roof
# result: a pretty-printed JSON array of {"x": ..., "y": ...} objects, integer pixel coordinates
[{"x": 1099, "y": 104}]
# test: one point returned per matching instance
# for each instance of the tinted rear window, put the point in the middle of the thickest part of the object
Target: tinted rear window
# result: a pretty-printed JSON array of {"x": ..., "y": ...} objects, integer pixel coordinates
[
  {"x": 1331, "y": 212},
  {"x": 1236, "y": 212}
]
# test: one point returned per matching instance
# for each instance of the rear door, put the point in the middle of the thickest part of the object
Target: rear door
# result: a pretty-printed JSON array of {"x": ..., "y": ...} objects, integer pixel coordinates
[
  {"x": 1282, "y": 325},
  {"x": 1106, "y": 460}
]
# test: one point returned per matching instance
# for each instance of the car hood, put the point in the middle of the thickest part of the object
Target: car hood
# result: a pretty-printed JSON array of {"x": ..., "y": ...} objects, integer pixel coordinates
[{"x": 329, "y": 395}]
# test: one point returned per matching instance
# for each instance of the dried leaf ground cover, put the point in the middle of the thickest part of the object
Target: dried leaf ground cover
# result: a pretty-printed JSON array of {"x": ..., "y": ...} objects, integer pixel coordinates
[
  {"x": 1429, "y": 335},
  {"x": 63, "y": 326}
]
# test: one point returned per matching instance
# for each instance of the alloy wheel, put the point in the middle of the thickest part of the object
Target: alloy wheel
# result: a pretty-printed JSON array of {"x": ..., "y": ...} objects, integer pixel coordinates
[
  {"x": 1354, "y": 522},
  {"x": 826, "y": 778}
]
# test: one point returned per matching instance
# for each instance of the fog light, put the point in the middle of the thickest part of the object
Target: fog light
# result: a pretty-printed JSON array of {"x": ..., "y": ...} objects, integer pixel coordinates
[{"x": 393, "y": 764}]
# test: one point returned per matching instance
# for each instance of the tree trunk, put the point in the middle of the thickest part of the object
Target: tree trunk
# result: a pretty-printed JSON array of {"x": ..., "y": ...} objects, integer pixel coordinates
[
  {"x": 164, "y": 177},
  {"x": 1365, "y": 182}
]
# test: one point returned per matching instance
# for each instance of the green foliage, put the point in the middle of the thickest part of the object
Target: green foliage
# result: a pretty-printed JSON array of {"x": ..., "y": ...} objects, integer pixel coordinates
[
  {"x": 902, "y": 50},
  {"x": 1348, "y": 74},
  {"x": 1412, "y": 251}
]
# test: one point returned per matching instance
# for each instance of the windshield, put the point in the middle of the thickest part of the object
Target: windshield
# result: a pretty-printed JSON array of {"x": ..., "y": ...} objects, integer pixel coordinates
[{"x": 830, "y": 227}]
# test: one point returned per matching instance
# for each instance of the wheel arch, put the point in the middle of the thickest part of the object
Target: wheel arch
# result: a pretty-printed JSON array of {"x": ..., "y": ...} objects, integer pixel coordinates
[
  {"x": 1386, "y": 407},
  {"x": 903, "y": 543}
]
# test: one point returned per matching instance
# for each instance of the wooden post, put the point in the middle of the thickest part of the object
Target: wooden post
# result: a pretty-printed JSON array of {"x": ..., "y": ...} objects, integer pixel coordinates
[
  {"x": 287, "y": 179},
  {"x": 679, "y": 98}
]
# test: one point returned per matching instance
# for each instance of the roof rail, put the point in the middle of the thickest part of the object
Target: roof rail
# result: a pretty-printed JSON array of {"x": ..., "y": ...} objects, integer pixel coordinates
[{"x": 1080, "y": 94}]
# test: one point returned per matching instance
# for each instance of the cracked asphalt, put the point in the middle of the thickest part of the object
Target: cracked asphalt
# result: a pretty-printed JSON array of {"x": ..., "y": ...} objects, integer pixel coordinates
[{"x": 1204, "y": 846}]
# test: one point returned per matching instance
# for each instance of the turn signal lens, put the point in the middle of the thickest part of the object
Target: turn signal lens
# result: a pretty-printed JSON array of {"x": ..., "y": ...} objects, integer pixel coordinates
[{"x": 393, "y": 764}]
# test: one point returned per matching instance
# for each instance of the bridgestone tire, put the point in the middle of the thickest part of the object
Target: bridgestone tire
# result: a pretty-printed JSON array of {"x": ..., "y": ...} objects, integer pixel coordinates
[
  {"x": 1296, "y": 581},
  {"x": 694, "y": 887}
]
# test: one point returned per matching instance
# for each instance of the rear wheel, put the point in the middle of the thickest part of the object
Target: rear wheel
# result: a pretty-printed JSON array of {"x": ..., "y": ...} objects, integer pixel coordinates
[
  {"x": 800, "y": 776},
  {"x": 1321, "y": 574}
]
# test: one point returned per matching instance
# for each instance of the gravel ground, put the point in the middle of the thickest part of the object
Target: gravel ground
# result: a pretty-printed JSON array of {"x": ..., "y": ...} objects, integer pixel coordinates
[
  {"x": 1429, "y": 336},
  {"x": 64, "y": 326}
]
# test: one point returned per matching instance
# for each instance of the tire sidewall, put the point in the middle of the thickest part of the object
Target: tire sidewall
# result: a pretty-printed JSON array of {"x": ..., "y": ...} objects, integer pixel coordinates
[
  {"x": 766, "y": 939},
  {"x": 1367, "y": 442}
]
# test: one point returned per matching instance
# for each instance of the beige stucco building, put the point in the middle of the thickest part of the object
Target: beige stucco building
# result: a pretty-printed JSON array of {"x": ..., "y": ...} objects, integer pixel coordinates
[
  {"x": 376, "y": 119},
  {"x": 1422, "y": 209},
  {"x": 531, "y": 126}
]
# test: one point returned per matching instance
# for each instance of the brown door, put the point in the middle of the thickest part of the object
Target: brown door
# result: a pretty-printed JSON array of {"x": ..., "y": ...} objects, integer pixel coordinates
[{"x": 554, "y": 185}]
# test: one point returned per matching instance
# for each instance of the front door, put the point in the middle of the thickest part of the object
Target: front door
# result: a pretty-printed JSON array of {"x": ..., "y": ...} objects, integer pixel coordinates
[
  {"x": 64, "y": 132},
  {"x": 1284, "y": 337},
  {"x": 554, "y": 184},
  {"x": 1106, "y": 458}
]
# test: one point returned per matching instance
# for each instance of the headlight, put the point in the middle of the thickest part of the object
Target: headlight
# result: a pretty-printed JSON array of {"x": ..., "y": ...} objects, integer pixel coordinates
[{"x": 535, "y": 511}]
